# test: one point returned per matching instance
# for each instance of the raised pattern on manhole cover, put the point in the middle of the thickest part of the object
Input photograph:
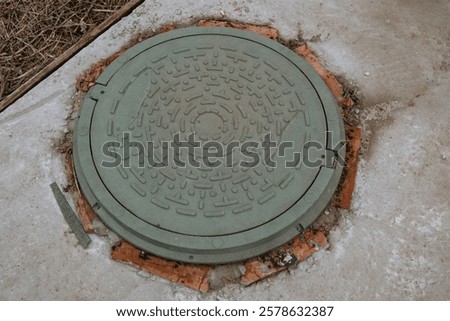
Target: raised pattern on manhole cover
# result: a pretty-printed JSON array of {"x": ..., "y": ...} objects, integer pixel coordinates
[{"x": 208, "y": 87}]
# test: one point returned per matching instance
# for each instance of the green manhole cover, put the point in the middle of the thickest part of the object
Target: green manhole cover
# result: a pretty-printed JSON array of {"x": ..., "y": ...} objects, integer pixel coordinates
[{"x": 208, "y": 145}]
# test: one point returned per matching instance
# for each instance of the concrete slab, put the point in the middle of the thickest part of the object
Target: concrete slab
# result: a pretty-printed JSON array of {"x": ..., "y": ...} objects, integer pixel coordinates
[{"x": 392, "y": 244}]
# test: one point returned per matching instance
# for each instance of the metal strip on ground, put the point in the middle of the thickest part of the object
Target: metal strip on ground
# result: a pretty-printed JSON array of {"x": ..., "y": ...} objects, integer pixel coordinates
[{"x": 70, "y": 216}]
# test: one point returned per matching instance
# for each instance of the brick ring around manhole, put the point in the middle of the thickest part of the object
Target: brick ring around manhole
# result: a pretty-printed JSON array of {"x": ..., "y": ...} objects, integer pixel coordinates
[{"x": 144, "y": 130}]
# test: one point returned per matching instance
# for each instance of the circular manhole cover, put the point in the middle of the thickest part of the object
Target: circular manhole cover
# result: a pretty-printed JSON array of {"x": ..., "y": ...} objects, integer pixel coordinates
[{"x": 208, "y": 145}]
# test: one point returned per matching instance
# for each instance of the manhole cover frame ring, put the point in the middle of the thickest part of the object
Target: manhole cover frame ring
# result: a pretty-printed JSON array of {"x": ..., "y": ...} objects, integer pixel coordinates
[{"x": 111, "y": 212}]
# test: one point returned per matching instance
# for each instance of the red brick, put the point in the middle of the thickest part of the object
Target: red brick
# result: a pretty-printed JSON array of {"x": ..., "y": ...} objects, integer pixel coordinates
[
  {"x": 262, "y": 30},
  {"x": 325, "y": 74},
  {"x": 190, "y": 275},
  {"x": 257, "y": 269},
  {"x": 354, "y": 141},
  {"x": 302, "y": 247}
]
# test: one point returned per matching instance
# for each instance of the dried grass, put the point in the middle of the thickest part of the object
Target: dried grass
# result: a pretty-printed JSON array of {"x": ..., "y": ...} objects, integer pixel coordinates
[{"x": 35, "y": 32}]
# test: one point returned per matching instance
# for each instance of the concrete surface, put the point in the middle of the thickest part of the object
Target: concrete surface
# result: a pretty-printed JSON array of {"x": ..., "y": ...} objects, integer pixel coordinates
[{"x": 393, "y": 244}]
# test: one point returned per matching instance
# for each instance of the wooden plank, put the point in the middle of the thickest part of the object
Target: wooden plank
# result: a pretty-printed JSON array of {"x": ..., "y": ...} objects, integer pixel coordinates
[{"x": 72, "y": 51}]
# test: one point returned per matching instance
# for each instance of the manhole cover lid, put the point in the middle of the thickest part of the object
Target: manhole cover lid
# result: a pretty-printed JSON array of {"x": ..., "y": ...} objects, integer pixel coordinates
[{"x": 208, "y": 145}]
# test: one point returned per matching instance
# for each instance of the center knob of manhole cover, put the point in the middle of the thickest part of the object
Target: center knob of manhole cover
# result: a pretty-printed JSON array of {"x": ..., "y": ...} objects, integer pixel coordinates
[
  {"x": 208, "y": 145},
  {"x": 209, "y": 126}
]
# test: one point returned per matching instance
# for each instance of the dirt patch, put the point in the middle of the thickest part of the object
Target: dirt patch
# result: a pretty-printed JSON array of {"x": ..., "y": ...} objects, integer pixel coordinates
[
  {"x": 253, "y": 270},
  {"x": 83, "y": 209}
]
